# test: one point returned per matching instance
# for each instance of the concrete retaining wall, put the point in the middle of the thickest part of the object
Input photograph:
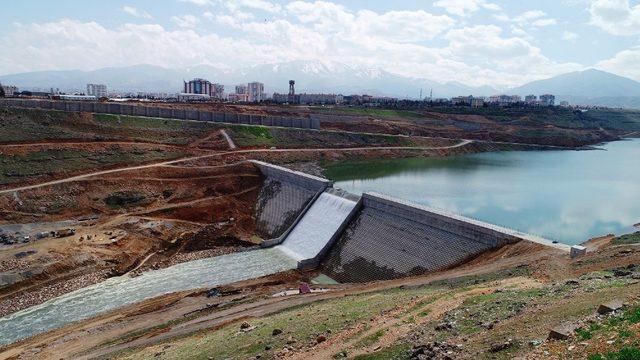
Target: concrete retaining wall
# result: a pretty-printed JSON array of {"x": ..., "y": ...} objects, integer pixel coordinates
[
  {"x": 284, "y": 198},
  {"x": 163, "y": 112},
  {"x": 389, "y": 238}
]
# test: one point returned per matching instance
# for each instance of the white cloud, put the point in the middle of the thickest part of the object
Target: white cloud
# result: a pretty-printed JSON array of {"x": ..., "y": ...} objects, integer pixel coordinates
[
  {"x": 397, "y": 41},
  {"x": 135, "y": 12},
  {"x": 504, "y": 57},
  {"x": 616, "y": 17},
  {"x": 624, "y": 63},
  {"x": 527, "y": 16},
  {"x": 570, "y": 36},
  {"x": 198, "y": 2},
  {"x": 367, "y": 27},
  {"x": 262, "y": 5},
  {"x": 544, "y": 22},
  {"x": 535, "y": 18},
  {"x": 185, "y": 21},
  {"x": 465, "y": 7}
]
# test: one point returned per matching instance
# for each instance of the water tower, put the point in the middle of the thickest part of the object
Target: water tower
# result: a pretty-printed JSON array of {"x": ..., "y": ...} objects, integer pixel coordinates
[{"x": 292, "y": 87}]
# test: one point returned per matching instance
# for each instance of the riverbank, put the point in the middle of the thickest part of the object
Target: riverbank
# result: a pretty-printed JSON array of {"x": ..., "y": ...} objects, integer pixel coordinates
[{"x": 522, "y": 291}]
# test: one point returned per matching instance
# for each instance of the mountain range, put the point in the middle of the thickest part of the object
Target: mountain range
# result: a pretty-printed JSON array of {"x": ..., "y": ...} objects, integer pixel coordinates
[{"x": 589, "y": 87}]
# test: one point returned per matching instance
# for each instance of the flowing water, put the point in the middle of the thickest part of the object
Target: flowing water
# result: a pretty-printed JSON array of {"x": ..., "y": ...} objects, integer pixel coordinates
[
  {"x": 569, "y": 196},
  {"x": 317, "y": 226},
  {"x": 124, "y": 290}
]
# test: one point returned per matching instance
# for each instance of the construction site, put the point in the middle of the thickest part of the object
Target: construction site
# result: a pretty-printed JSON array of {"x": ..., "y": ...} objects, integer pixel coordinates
[{"x": 196, "y": 235}]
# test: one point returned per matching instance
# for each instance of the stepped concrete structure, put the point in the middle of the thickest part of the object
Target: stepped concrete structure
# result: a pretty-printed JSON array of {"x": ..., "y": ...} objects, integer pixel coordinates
[
  {"x": 389, "y": 238},
  {"x": 284, "y": 197},
  {"x": 320, "y": 227}
]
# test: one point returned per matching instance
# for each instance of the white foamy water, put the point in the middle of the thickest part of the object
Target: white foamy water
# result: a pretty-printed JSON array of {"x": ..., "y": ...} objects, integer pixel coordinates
[
  {"x": 317, "y": 226},
  {"x": 120, "y": 291}
]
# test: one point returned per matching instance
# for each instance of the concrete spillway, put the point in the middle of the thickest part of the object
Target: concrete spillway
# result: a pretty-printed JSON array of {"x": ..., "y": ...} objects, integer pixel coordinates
[
  {"x": 318, "y": 226},
  {"x": 283, "y": 198},
  {"x": 120, "y": 291}
]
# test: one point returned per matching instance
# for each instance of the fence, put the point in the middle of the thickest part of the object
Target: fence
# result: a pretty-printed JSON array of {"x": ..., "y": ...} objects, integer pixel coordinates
[{"x": 164, "y": 112}]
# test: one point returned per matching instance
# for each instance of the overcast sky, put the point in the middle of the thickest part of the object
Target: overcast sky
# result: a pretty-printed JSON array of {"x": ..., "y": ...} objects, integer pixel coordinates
[{"x": 477, "y": 42}]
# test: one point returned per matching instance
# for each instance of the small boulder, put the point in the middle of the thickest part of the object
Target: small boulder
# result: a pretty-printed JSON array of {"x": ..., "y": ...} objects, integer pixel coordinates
[
  {"x": 609, "y": 307},
  {"x": 444, "y": 326},
  {"x": 622, "y": 272},
  {"x": 245, "y": 325},
  {"x": 320, "y": 339},
  {"x": 562, "y": 332},
  {"x": 501, "y": 346},
  {"x": 276, "y": 332}
]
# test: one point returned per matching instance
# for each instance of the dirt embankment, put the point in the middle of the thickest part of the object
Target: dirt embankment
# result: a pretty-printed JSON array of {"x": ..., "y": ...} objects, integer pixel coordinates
[
  {"x": 475, "y": 127},
  {"x": 160, "y": 215},
  {"x": 510, "y": 296}
]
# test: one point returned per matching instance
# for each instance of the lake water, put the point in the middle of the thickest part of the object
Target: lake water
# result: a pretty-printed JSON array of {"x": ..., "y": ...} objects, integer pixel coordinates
[{"x": 569, "y": 196}]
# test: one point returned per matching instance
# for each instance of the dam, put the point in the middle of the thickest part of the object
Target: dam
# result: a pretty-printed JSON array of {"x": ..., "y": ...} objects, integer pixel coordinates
[{"x": 305, "y": 223}]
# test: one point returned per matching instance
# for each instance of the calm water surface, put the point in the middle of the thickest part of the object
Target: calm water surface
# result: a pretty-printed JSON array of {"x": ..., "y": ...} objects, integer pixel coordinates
[{"x": 569, "y": 196}]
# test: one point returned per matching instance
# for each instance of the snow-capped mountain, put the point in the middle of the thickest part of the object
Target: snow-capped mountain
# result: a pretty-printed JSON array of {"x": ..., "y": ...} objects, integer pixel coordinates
[{"x": 310, "y": 76}]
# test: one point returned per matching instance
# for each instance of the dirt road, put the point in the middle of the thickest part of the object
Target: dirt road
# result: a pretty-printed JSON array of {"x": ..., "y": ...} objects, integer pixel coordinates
[{"x": 199, "y": 157}]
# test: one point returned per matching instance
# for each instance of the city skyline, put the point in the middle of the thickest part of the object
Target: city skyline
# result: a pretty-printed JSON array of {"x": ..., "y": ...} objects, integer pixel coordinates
[{"x": 475, "y": 42}]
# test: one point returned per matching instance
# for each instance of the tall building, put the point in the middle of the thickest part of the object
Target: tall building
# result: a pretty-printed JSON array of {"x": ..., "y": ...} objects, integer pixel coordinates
[
  {"x": 241, "y": 89},
  {"x": 217, "y": 91},
  {"x": 199, "y": 86},
  {"x": 547, "y": 100},
  {"x": 97, "y": 90},
  {"x": 9, "y": 90},
  {"x": 530, "y": 99},
  {"x": 255, "y": 91}
]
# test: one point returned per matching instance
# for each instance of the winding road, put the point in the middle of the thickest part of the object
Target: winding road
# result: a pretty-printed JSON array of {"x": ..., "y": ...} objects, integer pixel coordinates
[{"x": 206, "y": 156}]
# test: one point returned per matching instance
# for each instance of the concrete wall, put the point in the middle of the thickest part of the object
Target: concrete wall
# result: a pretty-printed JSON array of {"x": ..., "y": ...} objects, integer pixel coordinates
[
  {"x": 163, "y": 112},
  {"x": 285, "y": 197},
  {"x": 390, "y": 238}
]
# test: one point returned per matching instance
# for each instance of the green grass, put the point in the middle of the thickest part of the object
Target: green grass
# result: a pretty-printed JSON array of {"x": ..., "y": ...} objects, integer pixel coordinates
[
  {"x": 19, "y": 168},
  {"x": 252, "y": 135},
  {"x": 627, "y": 239},
  {"x": 395, "y": 352},
  {"x": 300, "y": 324},
  {"x": 626, "y": 353},
  {"x": 369, "y": 112},
  {"x": 262, "y": 136},
  {"x": 370, "y": 339}
]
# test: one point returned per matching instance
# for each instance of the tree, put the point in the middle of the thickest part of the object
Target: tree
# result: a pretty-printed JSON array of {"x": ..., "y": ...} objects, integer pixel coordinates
[{"x": 1, "y": 91}]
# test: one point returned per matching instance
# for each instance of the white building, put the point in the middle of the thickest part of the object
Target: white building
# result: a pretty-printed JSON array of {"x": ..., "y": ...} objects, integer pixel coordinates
[
  {"x": 255, "y": 90},
  {"x": 97, "y": 90},
  {"x": 9, "y": 90},
  {"x": 77, "y": 97}
]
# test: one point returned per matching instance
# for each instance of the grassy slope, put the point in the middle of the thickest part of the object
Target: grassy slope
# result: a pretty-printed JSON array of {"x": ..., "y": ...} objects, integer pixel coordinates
[
  {"x": 19, "y": 168},
  {"x": 611, "y": 119},
  {"x": 260, "y": 136},
  {"x": 22, "y": 125},
  {"x": 627, "y": 239},
  {"x": 540, "y": 308}
]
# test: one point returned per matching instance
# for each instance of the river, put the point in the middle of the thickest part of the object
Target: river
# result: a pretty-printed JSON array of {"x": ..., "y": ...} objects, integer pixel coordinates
[
  {"x": 569, "y": 196},
  {"x": 124, "y": 290}
]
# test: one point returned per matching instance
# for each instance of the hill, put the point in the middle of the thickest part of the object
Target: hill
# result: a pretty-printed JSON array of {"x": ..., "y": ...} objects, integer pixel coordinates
[
  {"x": 589, "y": 87},
  {"x": 310, "y": 76}
]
